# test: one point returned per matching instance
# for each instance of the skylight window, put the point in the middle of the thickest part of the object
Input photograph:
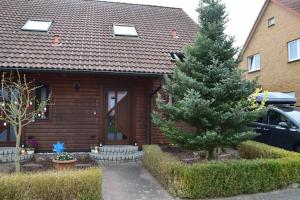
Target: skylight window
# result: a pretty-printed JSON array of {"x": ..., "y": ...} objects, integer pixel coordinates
[
  {"x": 37, "y": 25},
  {"x": 125, "y": 30}
]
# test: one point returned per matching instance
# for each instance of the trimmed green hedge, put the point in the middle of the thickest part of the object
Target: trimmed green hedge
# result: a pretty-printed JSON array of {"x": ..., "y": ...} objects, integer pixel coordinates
[
  {"x": 53, "y": 185},
  {"x": 228, "y": 178},
  {"x": 253, "y": 150}
]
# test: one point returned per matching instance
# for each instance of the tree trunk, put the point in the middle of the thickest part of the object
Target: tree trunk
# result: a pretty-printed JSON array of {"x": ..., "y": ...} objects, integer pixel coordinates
[
  {"x": 213, "y": 153},
  {"x": 18, "y": 141},
  {"x": 17, "y": 155}
]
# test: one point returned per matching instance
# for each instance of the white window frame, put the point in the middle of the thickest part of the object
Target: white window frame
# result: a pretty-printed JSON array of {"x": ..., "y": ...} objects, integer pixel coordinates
[
  {"x": 134, "y": 33},
  {"x": 35, "y": 27},
  {"x": 298, "y": 50},
  {"x": 271, "y": 21},
  {"x": 254, "y": 68}
]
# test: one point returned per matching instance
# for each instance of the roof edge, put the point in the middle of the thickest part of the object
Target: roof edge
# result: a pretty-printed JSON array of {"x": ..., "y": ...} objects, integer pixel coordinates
[
  {"x": 117, "y": 2},
  {"x": 262, "y": 11},
  {"x": 74, "y": 71}
]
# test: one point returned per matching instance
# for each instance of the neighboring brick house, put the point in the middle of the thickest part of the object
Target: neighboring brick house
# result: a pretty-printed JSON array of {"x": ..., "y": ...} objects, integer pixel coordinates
[
  {"x": 272, "y": 50},
  {"x": 102, "y": 61}
]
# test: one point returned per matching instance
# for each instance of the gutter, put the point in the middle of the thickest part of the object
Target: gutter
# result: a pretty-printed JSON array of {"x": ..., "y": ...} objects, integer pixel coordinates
[
  {"x": 150, "y": 98},
  {"x": 39, "y": 70}
]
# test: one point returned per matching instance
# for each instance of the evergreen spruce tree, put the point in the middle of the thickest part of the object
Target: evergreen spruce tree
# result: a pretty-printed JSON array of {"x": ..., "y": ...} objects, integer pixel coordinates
[{"x": 208, "y": 91}]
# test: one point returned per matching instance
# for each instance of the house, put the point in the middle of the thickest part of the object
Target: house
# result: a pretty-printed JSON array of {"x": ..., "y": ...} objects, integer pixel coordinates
[
  {"x": 102, "y": 62},
  {"x": 272, "y": 50}
]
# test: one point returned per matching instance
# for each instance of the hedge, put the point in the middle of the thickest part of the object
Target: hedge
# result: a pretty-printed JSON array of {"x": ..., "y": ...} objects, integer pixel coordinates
[
  {"x": 253, "y": 150},
  {"x": 53, "y": 185},
  {"x": 227, "y": 178}
]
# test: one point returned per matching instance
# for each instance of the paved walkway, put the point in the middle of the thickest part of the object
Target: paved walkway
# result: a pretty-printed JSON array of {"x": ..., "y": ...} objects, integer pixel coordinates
[{"x": 132, "y": 181}]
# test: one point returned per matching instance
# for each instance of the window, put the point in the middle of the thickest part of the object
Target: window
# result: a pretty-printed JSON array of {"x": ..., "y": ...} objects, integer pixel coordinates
[
  {"x": 271, "y": 22},
  {"x": 274, "y": 118},
  {"x": 42, "y": 95},
  {"x": 254, "y": 63},
  {"x": 7, "y": 135},
  {"x": 177, "y": 57},
  {"x": 294, "y": 50},
  {"x": 37, "y": 25},
  {"x": 125, "y": 30}
]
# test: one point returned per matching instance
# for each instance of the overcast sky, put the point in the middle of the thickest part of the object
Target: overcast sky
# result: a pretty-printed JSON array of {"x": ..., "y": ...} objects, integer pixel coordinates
[{"x": 242, "y": 13}]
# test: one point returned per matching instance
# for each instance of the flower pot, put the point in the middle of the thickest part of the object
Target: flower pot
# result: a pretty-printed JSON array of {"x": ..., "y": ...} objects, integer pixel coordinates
[
  {"x": 94, "y": 151},
  {"x": 23, "y": 152},
  {"x": 64, "y": 164},
  {"x": 30, "y": 152}
]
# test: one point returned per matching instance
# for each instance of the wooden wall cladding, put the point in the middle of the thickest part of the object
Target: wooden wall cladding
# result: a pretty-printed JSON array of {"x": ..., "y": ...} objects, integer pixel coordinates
[{"x": 76, "y": 116}]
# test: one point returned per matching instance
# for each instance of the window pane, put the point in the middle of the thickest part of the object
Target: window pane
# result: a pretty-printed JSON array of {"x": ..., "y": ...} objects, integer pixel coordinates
[
  {"x": 37, "y": 25},
  {"x": 293, "y": 50},
  {"x": 14, "y": 95},
  {"x": 271, "y": 21},
  {"x": 257, "y": 61},
  {"x": 12, "y": 137},
  {"x": 250, "y": 63},
  {"x": 3, "y": 135},
  {"x": 122, "y": 30},
  {"x": 254, "y": 62},
  {"x": 5, "y": 94},
  {"x": 42, "y": 95},
  {"x": 275, "y": 118},
  {"x": 121, "y": 95},
  {"x": 111, "y": 100}
]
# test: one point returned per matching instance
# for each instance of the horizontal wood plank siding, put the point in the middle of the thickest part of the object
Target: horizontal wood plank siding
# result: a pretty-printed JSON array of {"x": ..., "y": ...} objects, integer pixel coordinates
[{"x": 72, "y": 118}]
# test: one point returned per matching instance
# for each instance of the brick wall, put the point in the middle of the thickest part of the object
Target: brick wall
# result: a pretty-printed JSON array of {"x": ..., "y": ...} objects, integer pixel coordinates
[{"x": 276, "y": 73}]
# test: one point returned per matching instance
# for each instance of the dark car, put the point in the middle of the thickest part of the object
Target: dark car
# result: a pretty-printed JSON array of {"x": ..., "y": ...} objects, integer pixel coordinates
[{"x": 280, "y": 127}]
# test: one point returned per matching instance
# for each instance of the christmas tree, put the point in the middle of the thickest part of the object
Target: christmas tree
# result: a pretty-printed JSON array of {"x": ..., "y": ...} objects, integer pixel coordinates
[{"x": 208, "y": 90}]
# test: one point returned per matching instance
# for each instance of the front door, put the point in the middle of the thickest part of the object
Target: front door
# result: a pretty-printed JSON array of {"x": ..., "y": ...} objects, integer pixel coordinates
[{"x": 117, "y": 116}]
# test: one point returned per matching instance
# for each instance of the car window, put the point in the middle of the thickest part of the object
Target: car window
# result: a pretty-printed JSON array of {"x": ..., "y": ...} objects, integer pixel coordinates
[{"x": 274, "y": 118}]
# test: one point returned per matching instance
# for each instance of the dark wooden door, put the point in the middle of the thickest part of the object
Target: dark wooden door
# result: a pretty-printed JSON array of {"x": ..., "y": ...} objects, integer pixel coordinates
[{"x": 117, "y": 116}]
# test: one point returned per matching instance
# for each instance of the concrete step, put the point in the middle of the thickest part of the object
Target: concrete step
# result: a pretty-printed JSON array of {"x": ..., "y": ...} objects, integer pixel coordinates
[
  {"x": 117, "y": 153},
  {"x": 118, "y": 149},
  {"x": 129, "y": 157}
]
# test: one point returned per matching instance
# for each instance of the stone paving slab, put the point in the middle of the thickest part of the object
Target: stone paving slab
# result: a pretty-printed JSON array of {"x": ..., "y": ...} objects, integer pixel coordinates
[{"x": 131, "y": 181}]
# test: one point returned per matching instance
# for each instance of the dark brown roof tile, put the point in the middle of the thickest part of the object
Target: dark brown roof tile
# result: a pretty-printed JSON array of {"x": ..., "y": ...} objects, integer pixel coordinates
[{"x": 85, "y": 28}]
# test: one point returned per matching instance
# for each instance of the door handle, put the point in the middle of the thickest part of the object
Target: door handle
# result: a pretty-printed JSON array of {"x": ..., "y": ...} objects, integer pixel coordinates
[{"x": 265, "y": 129}]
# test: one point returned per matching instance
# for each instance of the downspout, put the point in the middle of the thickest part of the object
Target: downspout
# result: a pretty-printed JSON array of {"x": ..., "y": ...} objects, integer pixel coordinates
[{"x": 150, "y": 98}]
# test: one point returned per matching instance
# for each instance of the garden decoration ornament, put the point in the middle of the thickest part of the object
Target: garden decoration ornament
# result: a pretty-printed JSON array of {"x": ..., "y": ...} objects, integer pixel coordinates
[{"x": 59, "y": 147}]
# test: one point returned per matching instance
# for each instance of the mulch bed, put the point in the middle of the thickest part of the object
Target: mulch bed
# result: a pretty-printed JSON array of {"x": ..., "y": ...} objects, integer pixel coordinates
[
  {"x": 44, "y": 163},
  {"x": 190, "y": 157}
]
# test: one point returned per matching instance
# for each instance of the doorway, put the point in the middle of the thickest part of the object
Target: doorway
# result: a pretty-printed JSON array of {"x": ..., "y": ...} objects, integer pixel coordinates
[{"x": 117, "y": 116}]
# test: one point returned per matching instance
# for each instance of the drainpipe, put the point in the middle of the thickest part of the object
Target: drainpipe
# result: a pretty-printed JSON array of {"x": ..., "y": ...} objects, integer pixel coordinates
[{"x": 150, "y": 98}]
